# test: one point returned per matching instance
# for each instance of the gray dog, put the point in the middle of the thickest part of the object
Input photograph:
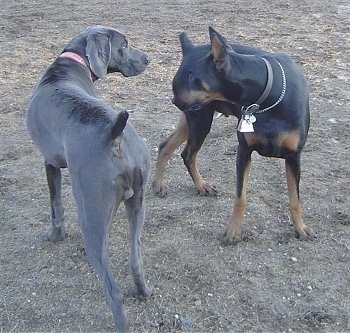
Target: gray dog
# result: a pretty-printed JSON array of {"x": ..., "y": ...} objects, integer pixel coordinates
[{"x": 107, "y": 161}]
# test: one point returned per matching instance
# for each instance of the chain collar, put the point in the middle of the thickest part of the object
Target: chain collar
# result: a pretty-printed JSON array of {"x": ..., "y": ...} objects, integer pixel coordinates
[{"x": 255, "y": 108}]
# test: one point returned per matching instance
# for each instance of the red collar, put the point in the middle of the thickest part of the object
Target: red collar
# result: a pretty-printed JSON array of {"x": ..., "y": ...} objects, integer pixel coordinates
[{"x": 76, "y": 57}]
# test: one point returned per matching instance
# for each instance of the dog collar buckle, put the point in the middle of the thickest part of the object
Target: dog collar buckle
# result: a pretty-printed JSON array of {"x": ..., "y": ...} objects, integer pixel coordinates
[{"x": 249, "y": 110}]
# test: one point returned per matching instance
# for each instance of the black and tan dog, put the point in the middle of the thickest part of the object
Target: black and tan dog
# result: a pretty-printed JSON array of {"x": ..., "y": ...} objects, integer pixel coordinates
[{"x": 266, "y": 91}]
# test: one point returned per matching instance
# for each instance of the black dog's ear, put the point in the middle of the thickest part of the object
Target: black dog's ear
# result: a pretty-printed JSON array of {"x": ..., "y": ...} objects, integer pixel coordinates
[
  {"x": 98, "y": 51},
  {"x": 219, "y": 51},
  {"x": 186, "y": 44}
]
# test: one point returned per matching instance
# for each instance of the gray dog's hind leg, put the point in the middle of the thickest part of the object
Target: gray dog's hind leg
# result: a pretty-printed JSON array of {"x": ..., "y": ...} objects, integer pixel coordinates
[
  {"x": 136, "y": 216},
  {"x": 96, "y": 244},
  {"x": 57, "y": 231},
  {"x": 95, "y": 217}
]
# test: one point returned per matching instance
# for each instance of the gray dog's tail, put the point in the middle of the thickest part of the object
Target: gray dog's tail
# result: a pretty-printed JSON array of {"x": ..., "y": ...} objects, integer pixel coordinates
[{"x": 119, "y": 124}]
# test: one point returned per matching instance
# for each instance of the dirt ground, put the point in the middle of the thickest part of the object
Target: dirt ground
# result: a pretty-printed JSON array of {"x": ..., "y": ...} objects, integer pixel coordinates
[{"x": 270, "y": 282}]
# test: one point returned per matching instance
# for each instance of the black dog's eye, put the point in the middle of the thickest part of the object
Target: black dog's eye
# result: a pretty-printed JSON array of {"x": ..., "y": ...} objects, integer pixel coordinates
[{"x": 199, "y": 84}]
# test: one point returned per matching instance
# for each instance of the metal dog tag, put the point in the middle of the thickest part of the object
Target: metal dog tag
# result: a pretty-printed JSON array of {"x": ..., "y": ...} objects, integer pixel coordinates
[{"x": 246, "y": 123}]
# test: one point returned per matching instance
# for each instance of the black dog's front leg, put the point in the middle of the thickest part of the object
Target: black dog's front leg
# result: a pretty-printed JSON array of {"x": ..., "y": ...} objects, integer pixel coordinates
[
  {"x": 166, "y": 149},
  {"x": 199, "y": 124},
  {"x": 57, "y": 231},
  {"x": 243, "y": 162},
  {"x": 292, "y": 164}
]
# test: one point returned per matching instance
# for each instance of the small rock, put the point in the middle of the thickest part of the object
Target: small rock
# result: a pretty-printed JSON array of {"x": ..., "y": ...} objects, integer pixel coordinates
[{"x": 187, "y": 321}]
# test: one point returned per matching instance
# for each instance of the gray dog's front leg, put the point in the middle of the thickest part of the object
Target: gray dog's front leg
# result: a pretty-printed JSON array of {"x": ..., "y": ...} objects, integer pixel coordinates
[{"x": 57, "y": 232}]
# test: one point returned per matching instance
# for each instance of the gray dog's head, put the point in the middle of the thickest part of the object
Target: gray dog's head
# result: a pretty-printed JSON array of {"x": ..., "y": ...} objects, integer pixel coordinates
[{"x": 108, "y": 51}]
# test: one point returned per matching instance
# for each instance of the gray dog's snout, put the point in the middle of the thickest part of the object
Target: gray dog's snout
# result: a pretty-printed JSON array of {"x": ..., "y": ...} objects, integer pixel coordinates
[{"x": 147, "y": 60}]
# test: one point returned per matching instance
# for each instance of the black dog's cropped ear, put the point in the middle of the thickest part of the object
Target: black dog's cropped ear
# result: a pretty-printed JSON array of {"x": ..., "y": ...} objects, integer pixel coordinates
[
  {"x": 98, "y": 51},
  {"x": 185, "y": 42},
  {"x": 219, "y": 51}
]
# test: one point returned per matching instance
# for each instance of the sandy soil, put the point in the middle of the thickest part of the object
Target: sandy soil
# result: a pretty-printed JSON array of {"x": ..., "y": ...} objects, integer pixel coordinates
[{"x": 271, "y": 282}]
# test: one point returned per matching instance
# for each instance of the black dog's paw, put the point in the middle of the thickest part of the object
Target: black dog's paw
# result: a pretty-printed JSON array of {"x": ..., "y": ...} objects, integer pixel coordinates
[
  {"x": 225, "y": 241},
  {"x": 159, "y": 189},
  {"x": 246, "y": 236},
  {"x": 206, "y": 189},
  {"x": 305, "y": 233}
]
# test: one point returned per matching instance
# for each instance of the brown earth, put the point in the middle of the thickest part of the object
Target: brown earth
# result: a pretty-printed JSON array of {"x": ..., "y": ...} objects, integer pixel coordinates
[{"x": 271, "y": 282}]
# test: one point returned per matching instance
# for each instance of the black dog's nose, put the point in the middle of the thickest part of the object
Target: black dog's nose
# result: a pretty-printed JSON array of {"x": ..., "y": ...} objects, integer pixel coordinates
[{"x": 177, "y": 103}]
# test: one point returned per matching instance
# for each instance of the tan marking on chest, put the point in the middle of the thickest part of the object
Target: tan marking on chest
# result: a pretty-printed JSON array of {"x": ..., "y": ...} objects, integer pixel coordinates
[
  {"x": 252, "y": 139},
  {"x": 288, "y": 140}
]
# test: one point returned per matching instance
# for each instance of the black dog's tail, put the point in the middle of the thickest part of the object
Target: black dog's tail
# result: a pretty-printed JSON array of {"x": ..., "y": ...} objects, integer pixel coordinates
[{"x": 119, "y": 124}]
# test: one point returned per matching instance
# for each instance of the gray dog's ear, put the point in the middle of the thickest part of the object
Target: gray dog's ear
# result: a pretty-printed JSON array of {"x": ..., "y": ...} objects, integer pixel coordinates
[{"x": 98, "y": 51}]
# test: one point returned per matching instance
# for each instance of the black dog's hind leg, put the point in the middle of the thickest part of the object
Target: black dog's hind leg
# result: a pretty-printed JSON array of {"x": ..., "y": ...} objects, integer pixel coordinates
[
  {"x": 243, "y": 163},
  {"x": 57, "y": 231},
  {"x": 199, "y": 124},
  {"x": 293, "y": 178},
  {"x": 166, "y": 149}
]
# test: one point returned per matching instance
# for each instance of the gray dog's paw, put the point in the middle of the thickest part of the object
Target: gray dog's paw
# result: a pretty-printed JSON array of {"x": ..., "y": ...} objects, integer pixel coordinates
[
  {"x": 145, "y": 293},
  {"x": 56, "y": 234}
]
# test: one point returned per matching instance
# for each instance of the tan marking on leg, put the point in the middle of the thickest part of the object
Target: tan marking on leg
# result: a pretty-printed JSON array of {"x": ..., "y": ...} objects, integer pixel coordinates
[
  {"x": 302, "y": 229},
  {"x": 290, "y": 140},
  {"x": 201, "y": 185},
  {"x": 174, "y": 141},
  {"x": 234, "y": 227}
]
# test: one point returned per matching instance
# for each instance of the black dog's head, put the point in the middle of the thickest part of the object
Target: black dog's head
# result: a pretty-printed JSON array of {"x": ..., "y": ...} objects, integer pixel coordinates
[
  {"x": 108, "y": 51},
  {"x": 204, "y": 74}
]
